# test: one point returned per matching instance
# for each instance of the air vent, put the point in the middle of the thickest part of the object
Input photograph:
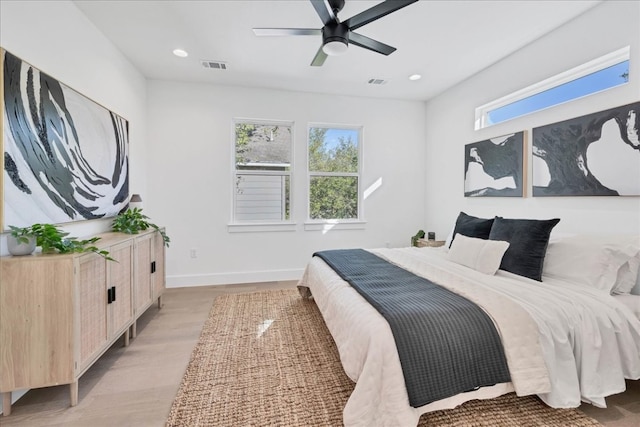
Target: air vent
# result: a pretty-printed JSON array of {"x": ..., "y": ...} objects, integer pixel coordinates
[
  {"x": 216, "y": 65},
  {"x": 377, "y": 81}
]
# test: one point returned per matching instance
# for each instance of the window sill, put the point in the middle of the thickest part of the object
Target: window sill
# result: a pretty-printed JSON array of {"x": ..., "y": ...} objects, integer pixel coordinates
[
  {"x": 261, "y": 227},
  {"x": 325, "y": 226}
]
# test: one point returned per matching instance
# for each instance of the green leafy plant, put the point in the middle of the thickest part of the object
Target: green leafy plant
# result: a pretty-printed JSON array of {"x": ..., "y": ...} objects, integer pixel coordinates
[
  {"x": 133, "y": 221},
  {"x": 22, "y": 234},
  {"x": 53, "y": 240},
  {"x": 414, "y": 239}
]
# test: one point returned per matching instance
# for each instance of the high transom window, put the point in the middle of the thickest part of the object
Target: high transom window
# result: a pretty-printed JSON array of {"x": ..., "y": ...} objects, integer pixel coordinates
[{"x": 600, "y": 74}]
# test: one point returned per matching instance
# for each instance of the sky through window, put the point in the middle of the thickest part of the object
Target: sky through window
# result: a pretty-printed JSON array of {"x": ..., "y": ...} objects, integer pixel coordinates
[{"x": 606, "y": 78}]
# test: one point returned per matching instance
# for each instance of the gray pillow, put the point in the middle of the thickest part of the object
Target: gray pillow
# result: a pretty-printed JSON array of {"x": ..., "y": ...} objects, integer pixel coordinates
[
  {"x": 528, "y": 240},
  {"x": 472, "y": 226}
]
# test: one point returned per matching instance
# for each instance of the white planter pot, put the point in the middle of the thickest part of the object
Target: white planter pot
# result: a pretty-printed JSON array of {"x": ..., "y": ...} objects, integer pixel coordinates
[{"x": 19, "y": 248}]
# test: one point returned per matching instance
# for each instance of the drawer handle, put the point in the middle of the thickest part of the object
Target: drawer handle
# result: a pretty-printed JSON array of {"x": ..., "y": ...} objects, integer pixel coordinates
[{"x": 111, "y": 294}]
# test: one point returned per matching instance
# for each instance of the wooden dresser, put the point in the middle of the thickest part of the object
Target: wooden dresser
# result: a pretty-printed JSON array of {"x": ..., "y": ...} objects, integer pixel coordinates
[{"x": 59, "y": 313}]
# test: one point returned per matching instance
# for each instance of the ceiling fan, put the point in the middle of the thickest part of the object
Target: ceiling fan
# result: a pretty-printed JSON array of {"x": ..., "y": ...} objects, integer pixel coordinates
[{"x": 337, "y": 35}]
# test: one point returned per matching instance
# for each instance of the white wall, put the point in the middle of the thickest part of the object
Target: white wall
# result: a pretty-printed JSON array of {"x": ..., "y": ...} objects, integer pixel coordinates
[
  {"x": 57, "y": 38},
  {"x": 450, "y": 124},
  {"x": 190, "y": 178}
]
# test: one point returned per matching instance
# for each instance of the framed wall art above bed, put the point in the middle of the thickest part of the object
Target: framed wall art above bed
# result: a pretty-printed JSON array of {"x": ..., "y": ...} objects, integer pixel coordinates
[
  {"x": 593, "y": 155},
  {"x": 494, "y": 167},
  {"x": 65, "y": 157}
]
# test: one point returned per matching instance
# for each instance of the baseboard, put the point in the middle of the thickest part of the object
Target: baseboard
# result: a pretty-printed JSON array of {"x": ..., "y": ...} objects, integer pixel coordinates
[{"x": 181, "y": 281}]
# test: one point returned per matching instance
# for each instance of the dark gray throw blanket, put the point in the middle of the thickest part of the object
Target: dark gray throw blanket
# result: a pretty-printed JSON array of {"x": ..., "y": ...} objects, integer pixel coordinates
[{"x": 446, "y": 343}]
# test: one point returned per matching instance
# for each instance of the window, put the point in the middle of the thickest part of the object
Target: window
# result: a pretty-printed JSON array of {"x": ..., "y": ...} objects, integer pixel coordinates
[
  {"x": 334, "y": 173},
  {"x": 603, "y": 73},
  {"x": 262, "y": 176}
]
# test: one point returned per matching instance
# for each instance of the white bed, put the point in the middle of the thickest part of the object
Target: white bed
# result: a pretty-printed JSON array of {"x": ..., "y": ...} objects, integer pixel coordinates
[
  {"x": 564, "y": 341},
  {"x": 632, "y": 302}
]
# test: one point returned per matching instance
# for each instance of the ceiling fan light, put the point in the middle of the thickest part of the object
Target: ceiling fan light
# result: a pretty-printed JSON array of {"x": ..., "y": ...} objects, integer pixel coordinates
[{"x": 335, "y": 47}]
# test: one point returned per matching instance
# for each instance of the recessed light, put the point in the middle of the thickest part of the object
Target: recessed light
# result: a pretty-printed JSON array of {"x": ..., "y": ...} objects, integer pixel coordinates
[
  {"x": 181, "y": 53},
  {"x": 414, "y": 77}
]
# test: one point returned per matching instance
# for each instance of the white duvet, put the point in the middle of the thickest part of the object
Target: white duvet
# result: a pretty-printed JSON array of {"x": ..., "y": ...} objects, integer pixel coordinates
[{"x": 564, "y": 342}]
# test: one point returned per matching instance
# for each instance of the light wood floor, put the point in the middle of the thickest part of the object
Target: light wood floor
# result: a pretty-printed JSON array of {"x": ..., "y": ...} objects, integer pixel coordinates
[{"x": 135, "y": 386}]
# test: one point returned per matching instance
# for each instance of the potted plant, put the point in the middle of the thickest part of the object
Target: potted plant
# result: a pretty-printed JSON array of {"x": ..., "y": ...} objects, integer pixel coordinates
[
  {"x": 414, "y": 239},
  {"x": 21, "y": 241},
  {"x": 53, "y": 240},
  {"x": 133, "y": 221}
]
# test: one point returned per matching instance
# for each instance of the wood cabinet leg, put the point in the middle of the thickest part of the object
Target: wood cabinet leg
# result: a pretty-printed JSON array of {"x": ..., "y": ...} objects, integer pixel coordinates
[
  {"x": 160, "y": 302},
  {"x": 73, "y": 393},
  {"x": 126, "y": 338},
  {"x": 134, "y": 329},
  {"x": 6, "y": 403}
]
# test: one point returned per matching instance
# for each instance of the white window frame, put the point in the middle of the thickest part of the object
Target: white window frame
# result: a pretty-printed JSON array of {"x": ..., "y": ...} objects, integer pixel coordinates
[
  {"x": 326, "y": 225},
  {"x": 246, "y": 226},
  {"x": 593, "y": 66}
]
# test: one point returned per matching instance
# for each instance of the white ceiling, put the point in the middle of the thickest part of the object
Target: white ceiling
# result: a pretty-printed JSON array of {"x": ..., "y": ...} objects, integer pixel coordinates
[{"x": 444, "y": 41}]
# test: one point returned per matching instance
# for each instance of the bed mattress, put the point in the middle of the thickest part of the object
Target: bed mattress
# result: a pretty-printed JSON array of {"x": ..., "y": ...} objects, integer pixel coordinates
[{"x": 585, "y": 343}]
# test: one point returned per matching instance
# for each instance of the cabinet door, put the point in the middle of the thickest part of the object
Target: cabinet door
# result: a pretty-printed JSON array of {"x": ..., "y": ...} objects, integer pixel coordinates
[
  {"x": 120, "y": 281},
  {"x": 159, "y": 270},
  {"x": 92, "y": 286},
  {"x": 36, "y": 322},
  {"x": 142, "y": 265}
]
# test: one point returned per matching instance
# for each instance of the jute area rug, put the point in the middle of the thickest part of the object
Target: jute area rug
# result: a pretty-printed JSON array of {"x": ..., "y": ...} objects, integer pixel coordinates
[{"x": 267, "y": 359}]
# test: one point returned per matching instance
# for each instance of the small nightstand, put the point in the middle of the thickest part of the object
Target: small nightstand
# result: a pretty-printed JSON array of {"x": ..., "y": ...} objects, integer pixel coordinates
[{"x": 424, "y": 243}]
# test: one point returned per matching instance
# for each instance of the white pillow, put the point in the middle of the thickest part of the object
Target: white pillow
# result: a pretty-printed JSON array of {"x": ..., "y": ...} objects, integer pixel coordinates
[
  {"x": 636, "y": 289},
  {"x": 594, "y": 261},
  {"x": 627, "y": 276},
  {"x": 480, "y": 254},
  {"x": 448, "y": 240}
]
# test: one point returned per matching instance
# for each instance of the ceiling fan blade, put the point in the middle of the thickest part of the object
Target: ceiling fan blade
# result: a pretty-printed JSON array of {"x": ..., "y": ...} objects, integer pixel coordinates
[
  {"x": 319, "y": 59},
  {"x": 287, "y": 31},
  {"x": 324, "y": 11},
  {"x": 376, "y": 12},
  {"x": 371, "y": 44}
]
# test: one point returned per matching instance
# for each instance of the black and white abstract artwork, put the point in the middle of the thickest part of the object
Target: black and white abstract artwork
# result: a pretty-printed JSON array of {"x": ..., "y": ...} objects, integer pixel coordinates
[
  {"x": 493, "y": 167},
  {"x": 593, "y": 155},
  {"x": 65, "y": 156}
]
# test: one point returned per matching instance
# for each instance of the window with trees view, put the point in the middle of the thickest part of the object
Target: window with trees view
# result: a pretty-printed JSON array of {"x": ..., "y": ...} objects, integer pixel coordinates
[
  {"x": 262, "y": 184},
  {"x": 334, "y": 173}
]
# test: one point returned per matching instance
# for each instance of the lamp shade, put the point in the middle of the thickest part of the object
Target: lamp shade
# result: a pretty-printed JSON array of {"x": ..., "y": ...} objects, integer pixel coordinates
[{"x": 135, "y": 201}]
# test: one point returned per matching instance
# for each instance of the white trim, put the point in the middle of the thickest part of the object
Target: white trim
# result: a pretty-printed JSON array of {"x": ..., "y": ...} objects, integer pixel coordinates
[
  {"x": 250, "y": 120},
  {"x": 575, "y": 73},
  {"x": 261, "y": 172},
  {"x": 185, "y": 280},
  {"x": 247, "y": 227},
  {"x": 264, "y": 165}
]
